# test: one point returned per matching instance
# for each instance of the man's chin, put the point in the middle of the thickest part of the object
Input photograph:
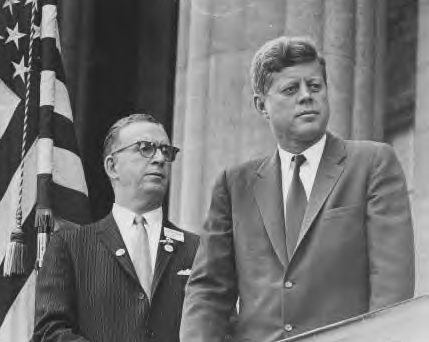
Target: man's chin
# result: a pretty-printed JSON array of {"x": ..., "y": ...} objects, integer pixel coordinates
[
  {"x": 155, "y": 189},
  {"x": 312, "y": 133}
]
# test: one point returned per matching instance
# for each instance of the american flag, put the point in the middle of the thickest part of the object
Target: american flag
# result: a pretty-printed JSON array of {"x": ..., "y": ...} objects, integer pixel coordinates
[{"x": 41, "y": 176}]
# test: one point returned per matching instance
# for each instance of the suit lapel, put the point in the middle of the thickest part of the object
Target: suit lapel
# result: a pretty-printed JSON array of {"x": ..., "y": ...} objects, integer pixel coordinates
[
  {"x": 328, "y": 173},
  {"x": 269, "y": 198},
  {"x": 108, "y": 233},
  {"x": 162, "y": 259}
]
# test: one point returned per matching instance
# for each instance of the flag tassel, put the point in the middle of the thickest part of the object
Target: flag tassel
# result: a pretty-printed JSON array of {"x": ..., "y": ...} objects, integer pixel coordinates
[
  {"x": 45, "y": 225},
  {"x": 14, "y": 260}
]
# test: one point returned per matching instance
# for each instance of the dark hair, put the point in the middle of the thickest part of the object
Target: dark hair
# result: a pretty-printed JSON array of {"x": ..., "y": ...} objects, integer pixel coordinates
[
  {"x": 278, "y": 54},
  {"x": 113, "y": 132}
]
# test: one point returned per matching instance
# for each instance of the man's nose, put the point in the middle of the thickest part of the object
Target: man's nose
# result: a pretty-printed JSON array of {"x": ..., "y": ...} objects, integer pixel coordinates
[
  {"x": 158, "y": 157},
  {"x": 304, "y": 93}
]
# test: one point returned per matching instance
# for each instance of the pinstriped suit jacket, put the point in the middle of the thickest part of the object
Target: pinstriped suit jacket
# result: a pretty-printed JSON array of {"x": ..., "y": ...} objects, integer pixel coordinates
[{"x": 86, "y": 292}]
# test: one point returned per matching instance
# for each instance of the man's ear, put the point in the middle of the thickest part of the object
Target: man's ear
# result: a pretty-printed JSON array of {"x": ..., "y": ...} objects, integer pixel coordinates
[
  {"x": 110, "y": 167},
  {"x": 259, "y": 102}
]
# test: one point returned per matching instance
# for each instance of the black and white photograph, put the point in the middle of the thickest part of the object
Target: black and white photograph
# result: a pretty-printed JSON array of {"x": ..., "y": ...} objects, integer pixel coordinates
[{"x": 214, "y": 170}]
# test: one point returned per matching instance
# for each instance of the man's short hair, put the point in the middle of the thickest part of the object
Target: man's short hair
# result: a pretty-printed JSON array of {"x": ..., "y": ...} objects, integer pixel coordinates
[
  {"x": 113, "y": 132},
  {"x": 278, "y": 54}
]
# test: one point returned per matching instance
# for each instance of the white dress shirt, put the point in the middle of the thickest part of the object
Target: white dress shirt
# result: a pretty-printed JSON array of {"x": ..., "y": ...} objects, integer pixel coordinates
[
  {"x": 125, "y": 220},
  {"x": 308, "y": 169}
]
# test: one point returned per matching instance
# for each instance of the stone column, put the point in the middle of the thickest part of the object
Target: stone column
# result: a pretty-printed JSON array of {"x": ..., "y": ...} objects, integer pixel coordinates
[
  {"x": 215, "y": 123},
  {"x": 368, "y": 45},
  {"x": 339, "y": 49},
  {"x": 420, "y": 199}
]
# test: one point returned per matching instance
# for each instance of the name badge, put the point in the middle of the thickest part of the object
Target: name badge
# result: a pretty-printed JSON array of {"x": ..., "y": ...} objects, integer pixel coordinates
[{"x": 174, "y": 234}]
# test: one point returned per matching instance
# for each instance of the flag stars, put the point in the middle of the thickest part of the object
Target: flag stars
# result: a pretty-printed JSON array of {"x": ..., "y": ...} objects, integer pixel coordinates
[
  {"x": 10, "y": 3},
  {"x": 36, "y": 32},
  {"x": 14, "y": 35},
  {"x": 20, "y": 69}
]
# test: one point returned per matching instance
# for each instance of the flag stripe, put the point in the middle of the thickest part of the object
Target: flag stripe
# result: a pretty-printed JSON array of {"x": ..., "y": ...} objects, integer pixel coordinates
[
  {"x": 10, "y": 146},
  {"x": 50, "y": 2},
  {"x": 66, "y": 202},
  {"x": 47, "y": 88},
  {"x": 64, "y": 134},
  {"x": 20, "y": 330},
  {"x": 9, "y": 202},
  {"x": 51, "y": 58},
  {"x": 68, "y": 170},
  {"x": 10, "y": 286},
  {"x": 44, "y": 189},
  {"x": 10, "y": 143},
  {"x": 70, "y": 204},
  {"x": 48, "y": 27},
  {"x": 58, "y": 128},
  {"x": 8, "y": 104},
  {"x": 54, "y": 93}
]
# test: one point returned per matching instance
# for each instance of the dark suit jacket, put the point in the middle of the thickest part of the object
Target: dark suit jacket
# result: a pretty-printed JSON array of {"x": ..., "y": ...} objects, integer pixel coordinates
[
  {"x": 87, "y": 292},
  {"x": 355, "y": 252}
]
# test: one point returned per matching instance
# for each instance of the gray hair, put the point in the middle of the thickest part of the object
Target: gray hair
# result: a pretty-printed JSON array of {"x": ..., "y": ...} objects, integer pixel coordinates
[{"x": 113, "y": 132}]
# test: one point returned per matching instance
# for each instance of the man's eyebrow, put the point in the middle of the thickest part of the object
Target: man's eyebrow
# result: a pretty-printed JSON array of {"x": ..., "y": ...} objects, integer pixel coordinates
[{"x": 289, "y": 81}]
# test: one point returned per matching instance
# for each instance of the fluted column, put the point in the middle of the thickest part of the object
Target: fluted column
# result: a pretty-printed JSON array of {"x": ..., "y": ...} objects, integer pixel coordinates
[
  {"x": 421, "y": 156},
  {"x": 190, "y": 103},
  {"x": 215, "y": 122},
  {"x": 368, "y": 46}
]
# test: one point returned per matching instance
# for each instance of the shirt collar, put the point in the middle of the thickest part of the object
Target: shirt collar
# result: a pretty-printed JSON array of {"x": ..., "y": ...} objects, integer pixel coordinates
[
  {"x": 154, "y": 216},
  {"x": 313, "y": 154},
  {"x": 126, "y": 216}
]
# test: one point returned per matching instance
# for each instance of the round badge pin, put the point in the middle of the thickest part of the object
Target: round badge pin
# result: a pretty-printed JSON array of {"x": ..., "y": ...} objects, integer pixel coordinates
[
  {"x": 169, "y": 248},
  {"x": 120, "y": 252}
]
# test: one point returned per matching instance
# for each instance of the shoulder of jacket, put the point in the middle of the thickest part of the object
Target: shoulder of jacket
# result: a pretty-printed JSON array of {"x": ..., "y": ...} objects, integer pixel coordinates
[
  {"x": 246, "y": 167},
  {"x": 74, "y": 231},
  {"x": 367, "y": 146}
]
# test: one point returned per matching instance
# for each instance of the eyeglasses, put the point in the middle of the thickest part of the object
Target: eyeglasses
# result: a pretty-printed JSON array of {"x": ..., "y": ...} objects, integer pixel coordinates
[{"x": 148, "y": 149}]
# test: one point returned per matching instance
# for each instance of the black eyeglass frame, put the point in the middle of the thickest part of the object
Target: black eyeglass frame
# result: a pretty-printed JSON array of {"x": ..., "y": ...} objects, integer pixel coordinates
[{"x": 155, "y": 146}]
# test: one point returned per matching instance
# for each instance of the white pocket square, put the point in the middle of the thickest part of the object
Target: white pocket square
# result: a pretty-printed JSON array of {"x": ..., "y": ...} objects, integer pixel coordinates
[{"x": 186, "y": 272}]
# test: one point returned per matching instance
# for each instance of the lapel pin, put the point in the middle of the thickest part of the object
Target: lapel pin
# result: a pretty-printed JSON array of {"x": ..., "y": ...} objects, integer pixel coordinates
[
  {"x": 169, "y": 248},
  {"x": 168, "y": 245},
  {"x": 120, "y": 252}
]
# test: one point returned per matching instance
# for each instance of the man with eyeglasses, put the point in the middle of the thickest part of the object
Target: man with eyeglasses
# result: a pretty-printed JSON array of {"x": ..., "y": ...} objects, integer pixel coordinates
[{"x": 122, "y": 278}]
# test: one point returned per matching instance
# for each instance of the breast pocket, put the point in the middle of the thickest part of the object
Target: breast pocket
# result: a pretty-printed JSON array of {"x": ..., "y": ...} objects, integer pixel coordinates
[{"x": 355, "y": 211}]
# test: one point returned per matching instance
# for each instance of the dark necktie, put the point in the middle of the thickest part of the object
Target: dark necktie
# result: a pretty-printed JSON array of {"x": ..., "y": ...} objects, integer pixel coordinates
[{"x": 296, "y": 204}]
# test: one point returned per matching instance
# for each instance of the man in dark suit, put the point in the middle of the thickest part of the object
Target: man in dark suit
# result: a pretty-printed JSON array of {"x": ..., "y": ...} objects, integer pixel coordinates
[
  {"x": 122, "y": 278},
  {"x": 316, "y": 233}
]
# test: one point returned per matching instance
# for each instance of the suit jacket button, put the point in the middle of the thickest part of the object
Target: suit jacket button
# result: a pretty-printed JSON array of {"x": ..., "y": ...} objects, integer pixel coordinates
[
  {"x": 288, "y": 327},
  {"x": 288, "y": 284},
  {"x": 141, "y": 296}
]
